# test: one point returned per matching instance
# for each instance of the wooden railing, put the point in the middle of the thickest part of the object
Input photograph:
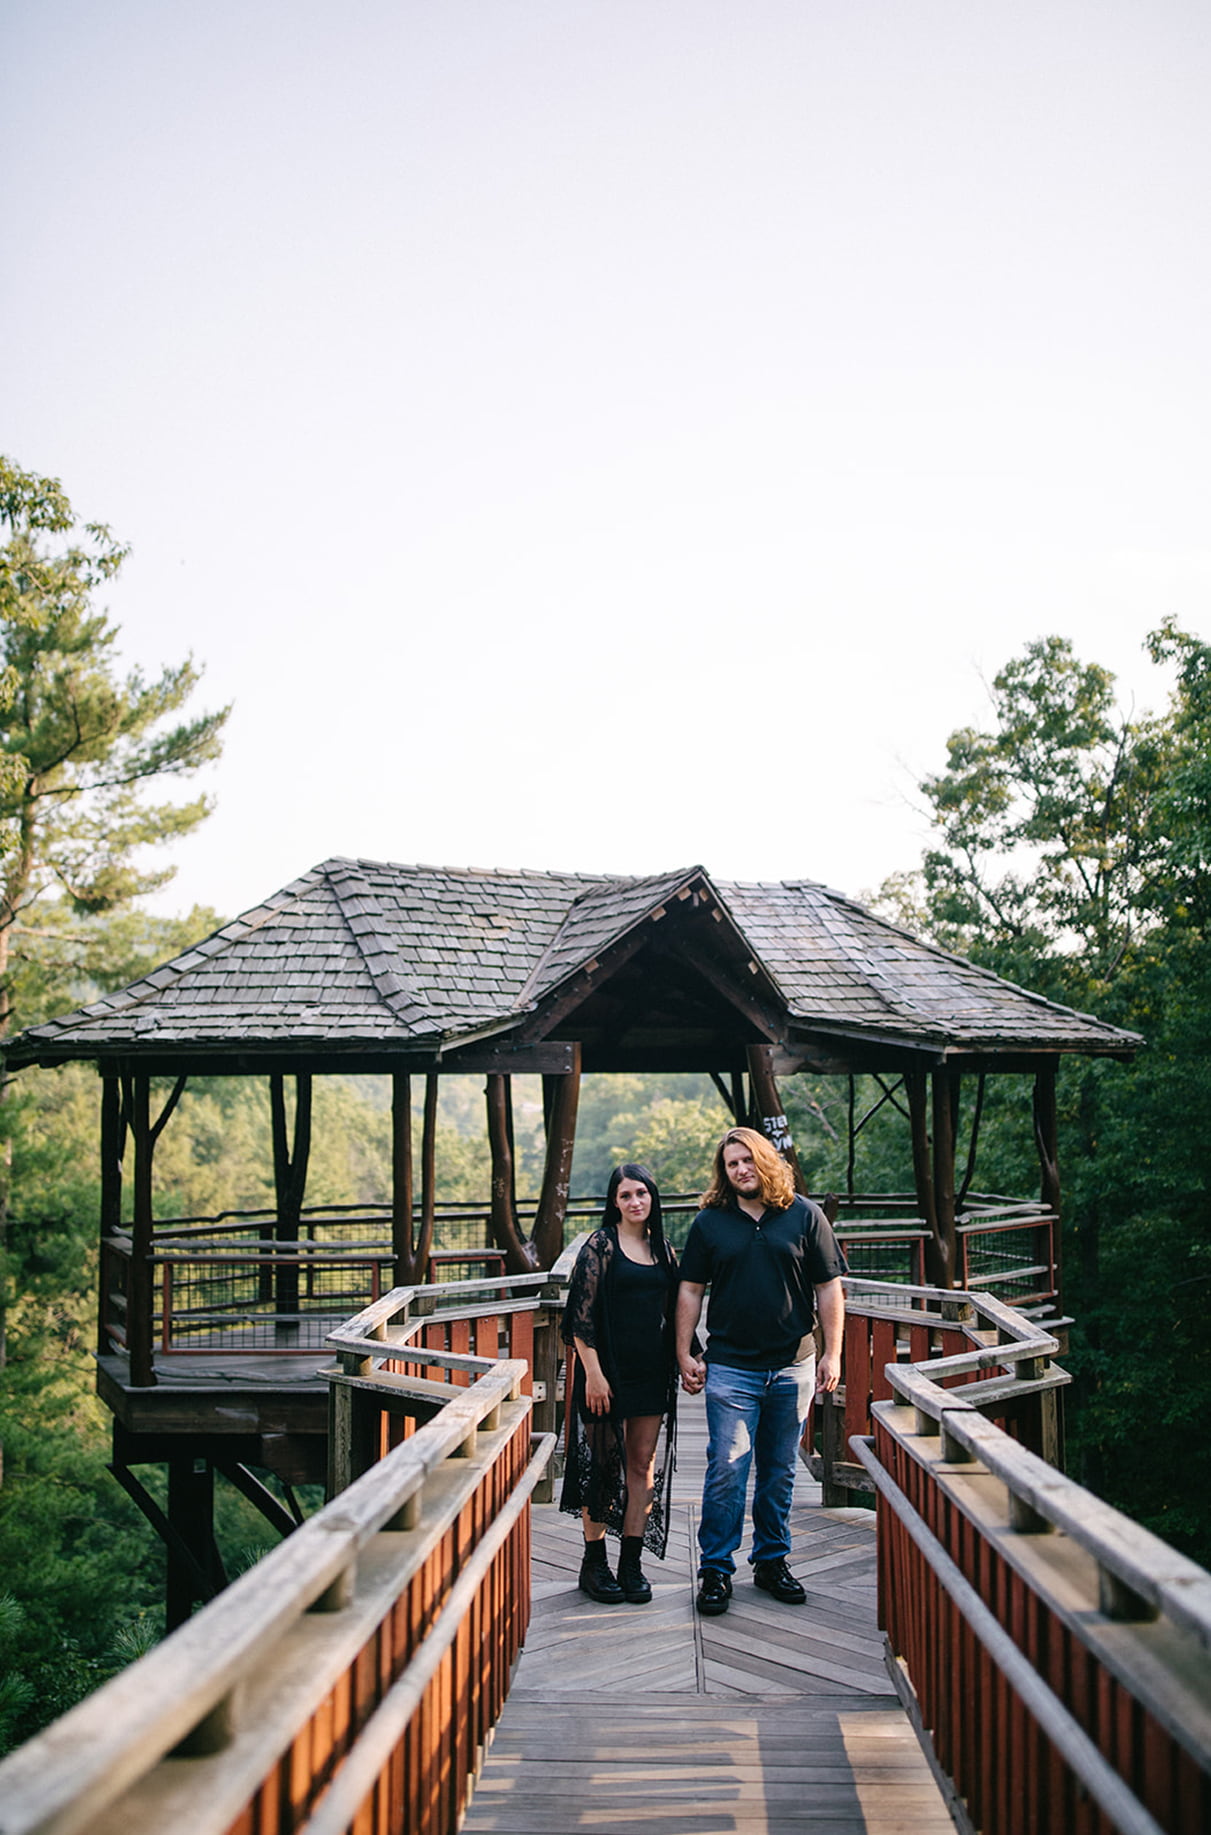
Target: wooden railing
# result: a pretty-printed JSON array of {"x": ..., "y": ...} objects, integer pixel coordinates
[
  {"x": 228, "y": 1286},
  {"x": 1055, "y": 1657},
  {"x": 352, "y": 1677},
  {"x": 999, "y": 1355}
]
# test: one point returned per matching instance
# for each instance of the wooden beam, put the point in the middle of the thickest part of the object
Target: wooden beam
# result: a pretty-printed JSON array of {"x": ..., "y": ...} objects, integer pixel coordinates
[
  {"x": 549, "y": 1058},
  {"x": 760, "y": 1014},
  {"x": 557, "y": 1005}
]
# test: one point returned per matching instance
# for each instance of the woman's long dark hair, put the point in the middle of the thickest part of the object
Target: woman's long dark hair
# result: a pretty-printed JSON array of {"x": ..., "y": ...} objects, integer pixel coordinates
[{"x": 630, "y": 1170}]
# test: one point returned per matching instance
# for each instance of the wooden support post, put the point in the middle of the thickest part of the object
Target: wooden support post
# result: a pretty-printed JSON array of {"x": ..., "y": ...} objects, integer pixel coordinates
[
  {"x": 557, "y": 1170},
  {"x": 767, "y": 1104},
  {"x": 140, "y": 1286},
  {"x": 136, "y": 1102},
  {"x": 428, "y": 1178},
  {"x": 113, "y": 1147},
  {"x": 937, "y": 1272},
  {"x": 401, "y": 1179},
  {"x": 353, "y": 1432},
  {"x": 191, "y": 1518},
  {"x": 945, "y": 1114},
  {"x": 1046, "y": 1137},
  {"x": 548, "y": 1350},
  {"x": 290, "y": 1183},
  {"x": 519, "y": 1255},
  {"x": 833, "y": 1451}
]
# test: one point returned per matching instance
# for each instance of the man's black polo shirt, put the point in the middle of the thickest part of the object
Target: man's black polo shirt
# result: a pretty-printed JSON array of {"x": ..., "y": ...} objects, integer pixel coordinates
[{"x": 761, "y": 1277}]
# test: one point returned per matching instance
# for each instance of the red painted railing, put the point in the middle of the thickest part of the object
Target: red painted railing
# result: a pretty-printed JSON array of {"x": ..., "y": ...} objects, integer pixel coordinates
[{"x": 1055, "y": 1656}]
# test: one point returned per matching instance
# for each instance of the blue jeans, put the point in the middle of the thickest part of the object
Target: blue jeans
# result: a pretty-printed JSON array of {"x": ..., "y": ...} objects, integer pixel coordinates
[{"x": 751, "y": 1412}]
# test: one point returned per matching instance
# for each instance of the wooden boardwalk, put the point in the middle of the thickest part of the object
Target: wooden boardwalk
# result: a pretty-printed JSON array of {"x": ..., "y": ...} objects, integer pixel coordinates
[{"x": 768, "y": 1721}]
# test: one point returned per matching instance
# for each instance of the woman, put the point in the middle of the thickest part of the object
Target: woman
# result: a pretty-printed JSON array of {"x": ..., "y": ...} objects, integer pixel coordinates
[{"x": 619, "y": 1317}]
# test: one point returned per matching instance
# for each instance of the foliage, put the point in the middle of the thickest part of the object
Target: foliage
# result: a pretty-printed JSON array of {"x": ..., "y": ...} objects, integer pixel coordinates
[
  {"x": 1049, "y": 842},
  {"x": 1073, "y": 856},
  {"x": 79, "y": 745},
  {"x": 616, "y": 1122}
]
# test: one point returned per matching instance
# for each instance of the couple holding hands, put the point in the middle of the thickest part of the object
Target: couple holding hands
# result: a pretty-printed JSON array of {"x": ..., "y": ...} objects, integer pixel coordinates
[{"x": 773, "y": 1267}]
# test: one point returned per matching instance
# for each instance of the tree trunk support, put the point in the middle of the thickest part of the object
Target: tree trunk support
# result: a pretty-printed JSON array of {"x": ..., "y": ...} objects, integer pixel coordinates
[
  {"x": 937, "y": 1269},
  {"x": 972, "y": 1144},
  {"x": 401, "y": 1179},
  {"x": 557, "y": 1171},
  {"x": 767, "y": 1103},
  {"x": 428, "y": 1179},
  {"x": 945, "y": 1118},
  {"x": 519, "y": 1255}
]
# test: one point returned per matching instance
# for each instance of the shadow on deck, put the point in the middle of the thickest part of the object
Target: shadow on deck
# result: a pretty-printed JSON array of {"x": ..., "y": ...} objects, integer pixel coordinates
[{"x": 769, "y": 1719}]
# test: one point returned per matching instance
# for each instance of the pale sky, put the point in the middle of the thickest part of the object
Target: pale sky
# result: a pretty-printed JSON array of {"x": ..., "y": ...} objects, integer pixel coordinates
[{"x": 611, "y": 436}]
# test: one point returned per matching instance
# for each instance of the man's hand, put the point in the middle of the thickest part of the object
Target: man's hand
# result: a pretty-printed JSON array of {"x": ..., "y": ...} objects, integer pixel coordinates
[
  {"x": 693, "y": 1373},
  {"x": 830, "y": 1308}
]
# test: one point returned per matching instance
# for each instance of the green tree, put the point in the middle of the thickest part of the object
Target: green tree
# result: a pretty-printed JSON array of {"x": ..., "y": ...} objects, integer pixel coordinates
[
  {"x": 79, "y": 743},
  {"x": 1073, "y": 852},
  {"x": 1049, "y": 842}
]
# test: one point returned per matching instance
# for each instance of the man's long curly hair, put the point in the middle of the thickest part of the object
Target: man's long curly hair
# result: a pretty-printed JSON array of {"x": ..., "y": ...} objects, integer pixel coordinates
[{"x": 777, "y": 1180}]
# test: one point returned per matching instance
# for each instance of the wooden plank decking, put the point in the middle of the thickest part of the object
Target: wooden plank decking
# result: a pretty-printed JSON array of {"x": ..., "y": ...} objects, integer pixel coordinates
[{"x": 771, "y": 1720}]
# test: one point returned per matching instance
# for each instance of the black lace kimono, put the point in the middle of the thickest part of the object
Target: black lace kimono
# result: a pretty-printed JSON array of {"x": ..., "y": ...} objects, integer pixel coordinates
[{"x": 612, "y": 1306}]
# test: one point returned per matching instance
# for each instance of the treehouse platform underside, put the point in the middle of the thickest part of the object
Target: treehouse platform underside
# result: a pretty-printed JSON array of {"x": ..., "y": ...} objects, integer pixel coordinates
[{"x": 270, "y": 1412}]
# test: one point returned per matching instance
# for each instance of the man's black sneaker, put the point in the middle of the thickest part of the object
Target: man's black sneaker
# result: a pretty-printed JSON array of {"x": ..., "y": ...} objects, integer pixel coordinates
[
  {"x": 714, "y": 1591},
  {"x": 776, "y": 1578}
]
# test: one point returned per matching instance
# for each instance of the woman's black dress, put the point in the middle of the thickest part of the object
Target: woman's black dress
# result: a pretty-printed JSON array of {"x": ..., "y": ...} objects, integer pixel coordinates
[{"x": 624, "y": 1309}]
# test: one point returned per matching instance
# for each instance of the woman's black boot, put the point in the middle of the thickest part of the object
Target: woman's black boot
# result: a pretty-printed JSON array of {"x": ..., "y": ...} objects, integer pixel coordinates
[
  {"x": 595, "y": 1577},
  {"x": 636, "y": 1589}
]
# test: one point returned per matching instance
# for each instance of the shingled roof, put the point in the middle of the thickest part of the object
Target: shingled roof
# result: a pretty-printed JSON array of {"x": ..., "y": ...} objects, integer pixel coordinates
[{"x": 414, "y": 963}]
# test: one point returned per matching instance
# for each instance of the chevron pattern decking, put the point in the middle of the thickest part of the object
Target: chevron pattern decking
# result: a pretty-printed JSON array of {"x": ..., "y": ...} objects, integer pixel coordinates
[{"x": 770, "y": 1720}]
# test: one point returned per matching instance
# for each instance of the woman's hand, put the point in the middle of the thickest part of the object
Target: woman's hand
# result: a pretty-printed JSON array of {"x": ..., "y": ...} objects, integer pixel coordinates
[
  {"x": 597, "y": 1392},
  {"x": 693, "y": 1373}
]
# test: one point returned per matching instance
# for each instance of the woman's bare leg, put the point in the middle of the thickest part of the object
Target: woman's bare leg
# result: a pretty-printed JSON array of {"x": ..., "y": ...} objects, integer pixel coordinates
[
  {"x": 642, "y": 1433},
  {"x": 593, "y": 1532}
]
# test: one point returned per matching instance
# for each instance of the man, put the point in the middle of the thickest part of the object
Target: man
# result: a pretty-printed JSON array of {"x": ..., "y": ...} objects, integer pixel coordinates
[{"x": 763, "y": 1252}]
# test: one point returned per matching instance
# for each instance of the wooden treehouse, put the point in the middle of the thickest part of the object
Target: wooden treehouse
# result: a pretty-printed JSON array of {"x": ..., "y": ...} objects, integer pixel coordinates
[
  {"x": 211, "y": 1332},
  {"x": 990, "y": 1649}
]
